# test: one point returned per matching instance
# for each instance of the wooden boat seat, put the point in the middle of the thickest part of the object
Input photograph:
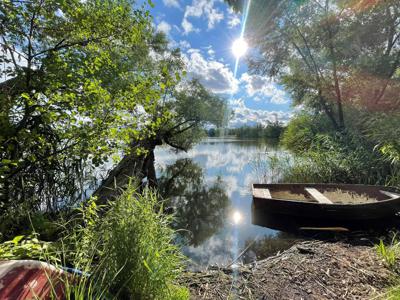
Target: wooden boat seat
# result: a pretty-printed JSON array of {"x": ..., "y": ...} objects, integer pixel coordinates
[
  {"x": 318, "y": 196},
  {"x": 390, "y": 194},
  {"x": 262, "y": 193}
]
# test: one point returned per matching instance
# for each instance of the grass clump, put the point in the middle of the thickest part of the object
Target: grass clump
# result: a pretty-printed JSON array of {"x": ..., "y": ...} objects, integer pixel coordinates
[
  {"x": 389, "y": 253},
  {"x": 137, "y": 250}
]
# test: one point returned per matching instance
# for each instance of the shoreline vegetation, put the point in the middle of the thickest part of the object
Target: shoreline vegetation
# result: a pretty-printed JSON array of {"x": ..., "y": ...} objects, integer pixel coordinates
[{"x": 92, "y": 84}]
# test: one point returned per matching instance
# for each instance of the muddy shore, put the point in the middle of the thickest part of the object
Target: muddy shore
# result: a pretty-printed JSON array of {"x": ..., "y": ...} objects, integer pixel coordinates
[{"x": 308, "y": 270}]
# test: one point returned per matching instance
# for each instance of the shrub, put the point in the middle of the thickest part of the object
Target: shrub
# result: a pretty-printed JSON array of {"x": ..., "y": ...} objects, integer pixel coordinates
[{"x": 301, "y": 130}]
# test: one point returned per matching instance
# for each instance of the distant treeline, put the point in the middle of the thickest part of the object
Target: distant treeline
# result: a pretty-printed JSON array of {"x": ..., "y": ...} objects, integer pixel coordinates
[{"x": 259, "y": 131}]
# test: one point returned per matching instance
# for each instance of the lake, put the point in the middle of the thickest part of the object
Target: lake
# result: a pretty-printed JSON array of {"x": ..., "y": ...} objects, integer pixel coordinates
[{"x": 209, "y": 189}]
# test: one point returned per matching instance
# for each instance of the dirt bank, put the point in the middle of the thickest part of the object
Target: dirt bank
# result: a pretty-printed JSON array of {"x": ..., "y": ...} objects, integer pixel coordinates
[{"x": 308, "y": 270}]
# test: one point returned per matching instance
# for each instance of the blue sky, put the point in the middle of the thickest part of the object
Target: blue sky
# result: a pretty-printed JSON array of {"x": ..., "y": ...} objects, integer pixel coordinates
[{"x": 205, "y": 31}]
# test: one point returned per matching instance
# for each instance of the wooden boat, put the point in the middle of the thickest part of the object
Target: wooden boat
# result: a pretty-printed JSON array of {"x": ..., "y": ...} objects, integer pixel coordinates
[
  {"x": 31, "y": 279},
  {"x": 323, "y": 205}
]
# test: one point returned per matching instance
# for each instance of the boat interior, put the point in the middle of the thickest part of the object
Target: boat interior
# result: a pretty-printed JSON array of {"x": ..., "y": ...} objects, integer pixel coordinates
[{"x": 324, "y": 194}]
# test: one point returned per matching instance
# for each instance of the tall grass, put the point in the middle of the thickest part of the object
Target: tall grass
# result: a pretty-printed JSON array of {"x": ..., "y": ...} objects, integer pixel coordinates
[
  {"x": 334, "y": 159},
  {"x": 124, "y": 250},
  {"x": 140, "y": 258},
  {"x": 390, "y": 253}
]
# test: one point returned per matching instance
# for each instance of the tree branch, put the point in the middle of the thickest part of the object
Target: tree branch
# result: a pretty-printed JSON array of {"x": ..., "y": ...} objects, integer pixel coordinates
[
  {"x": 60, "y": 45},
  {"x": 11, "y": 52},
  {"x": 168, "y": 142},
  {"x": 391, "y": 73}
]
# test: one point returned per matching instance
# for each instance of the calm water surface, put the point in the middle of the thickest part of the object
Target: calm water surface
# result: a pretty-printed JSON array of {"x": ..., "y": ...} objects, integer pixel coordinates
[{"x": 210, "y": 190}]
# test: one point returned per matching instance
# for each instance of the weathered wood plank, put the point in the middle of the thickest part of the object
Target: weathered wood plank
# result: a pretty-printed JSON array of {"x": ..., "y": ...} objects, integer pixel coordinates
[
  {"x": 390, "y": 194},
  {"x": 318, "y": 196},
  {"x": 262, "y": 193}
]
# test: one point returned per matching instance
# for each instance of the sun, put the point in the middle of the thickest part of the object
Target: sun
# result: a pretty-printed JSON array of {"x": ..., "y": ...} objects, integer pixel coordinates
[{"x": 239, "y": 47}]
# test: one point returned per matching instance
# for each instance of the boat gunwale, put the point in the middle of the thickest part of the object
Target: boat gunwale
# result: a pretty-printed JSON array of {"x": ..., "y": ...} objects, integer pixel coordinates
[{"x": 377, "y": 187}]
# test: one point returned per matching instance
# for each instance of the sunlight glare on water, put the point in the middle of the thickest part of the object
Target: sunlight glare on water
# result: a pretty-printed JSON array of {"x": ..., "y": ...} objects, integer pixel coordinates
[{"x": 237, "y": 217}]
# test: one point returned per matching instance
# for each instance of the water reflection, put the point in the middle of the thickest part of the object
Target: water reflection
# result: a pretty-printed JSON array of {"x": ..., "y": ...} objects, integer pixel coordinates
[
  {"x": 200, "y": 209},
  {"x": 210, "y": 190},
  {"x": 257, "y": 249}
]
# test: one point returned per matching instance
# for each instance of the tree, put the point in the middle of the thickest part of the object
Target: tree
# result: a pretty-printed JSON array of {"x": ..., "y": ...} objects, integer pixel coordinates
[
  {"x": 329, "y": 53},
  {"x": 181, "y": 115},
  {"x": 77, "y": 90}
]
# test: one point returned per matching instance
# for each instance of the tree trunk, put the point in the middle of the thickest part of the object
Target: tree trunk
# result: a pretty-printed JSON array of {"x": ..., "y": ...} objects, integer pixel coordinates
[
  {"x": 150, "y": 170},
  {"x": 131, "y": 167}
]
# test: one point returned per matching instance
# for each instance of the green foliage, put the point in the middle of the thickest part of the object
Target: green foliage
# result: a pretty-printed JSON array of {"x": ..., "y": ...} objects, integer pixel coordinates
[
  {"x": 79, "y": 79},
  {"x": 389, "y": 253},
  {"x": 340, "y": 159},
  {"x": 384, "y": 130},
  {"x": 328, "y": 54},
  {"x": 272, "y": 130},
  {"x": 301, "y": 130},
  {"x": 138, "y": 247},
  {"x": 125, "y": 246},
  {"x": 129, "y": 248},
  {"x": 28, "y": 247},
  {"x": 365, "y": 153},
  {"x": 191, "y": 107}
]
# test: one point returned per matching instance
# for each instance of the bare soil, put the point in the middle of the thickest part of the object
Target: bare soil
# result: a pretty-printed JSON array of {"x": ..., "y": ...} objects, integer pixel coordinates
[{"x": 308, "y": 270}]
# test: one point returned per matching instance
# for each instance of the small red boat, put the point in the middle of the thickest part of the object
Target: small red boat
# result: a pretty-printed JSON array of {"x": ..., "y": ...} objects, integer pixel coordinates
[{"x": 30, "y": 279}]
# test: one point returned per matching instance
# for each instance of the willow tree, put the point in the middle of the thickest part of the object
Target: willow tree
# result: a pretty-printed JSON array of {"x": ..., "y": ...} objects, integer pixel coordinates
[
  {"x": 74, "y": 90},
  {"x": 181, "y": 115},
  {"x": 329, "y": 53}
]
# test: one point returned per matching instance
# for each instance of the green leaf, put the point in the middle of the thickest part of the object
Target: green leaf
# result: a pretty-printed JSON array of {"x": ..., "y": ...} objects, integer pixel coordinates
[
  {"x": 17, "y": 239},
  {"x": 147, "y": 266}
]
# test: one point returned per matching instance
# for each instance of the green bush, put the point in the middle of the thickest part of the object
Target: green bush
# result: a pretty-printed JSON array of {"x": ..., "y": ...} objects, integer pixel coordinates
[{"x": 302, "y": 129}]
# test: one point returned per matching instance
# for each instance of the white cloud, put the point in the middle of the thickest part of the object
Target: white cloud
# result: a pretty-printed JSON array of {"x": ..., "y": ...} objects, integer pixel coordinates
[
  {"x": 188, "y": 27},
  {"x": 231, "y": 185},
  {"x": 184, "y": 44},
  {"x": 200, "y": 8},
  {"x": 214, "y": 75},
  {"x": 164, "y": 27},
  {"x": 171, "y": 3},
  {"x": 247, "y": 116},
  {"x": 259, "y": 87},
  {"x": 233, "y": 21}
]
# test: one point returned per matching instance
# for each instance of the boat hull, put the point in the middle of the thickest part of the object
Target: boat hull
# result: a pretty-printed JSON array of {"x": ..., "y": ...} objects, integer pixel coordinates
[{"x": 308, "y": 214}]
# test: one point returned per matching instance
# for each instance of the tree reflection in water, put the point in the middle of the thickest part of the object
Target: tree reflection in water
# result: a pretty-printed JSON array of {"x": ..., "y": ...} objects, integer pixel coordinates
[{"x": 200, "y": 208}]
